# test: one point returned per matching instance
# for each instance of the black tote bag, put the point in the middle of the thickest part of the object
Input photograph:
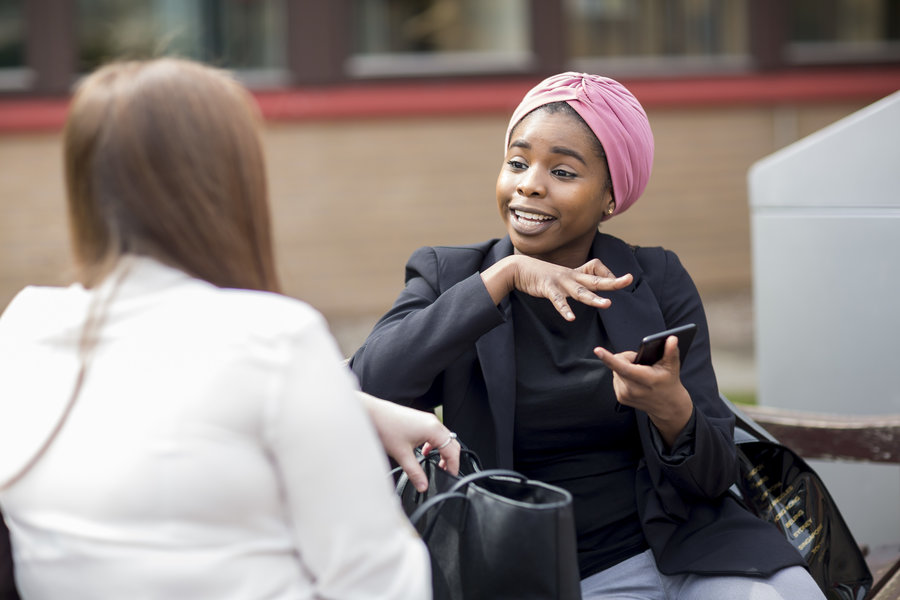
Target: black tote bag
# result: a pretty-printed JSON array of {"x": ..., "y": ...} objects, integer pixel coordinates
[
  {"x": 496, "y": 535},
  {"x": 780, "y": 487}
]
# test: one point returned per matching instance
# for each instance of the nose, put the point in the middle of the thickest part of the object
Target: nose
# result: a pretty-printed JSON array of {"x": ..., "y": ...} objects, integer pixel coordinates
[{"x": 531, "y": 183}]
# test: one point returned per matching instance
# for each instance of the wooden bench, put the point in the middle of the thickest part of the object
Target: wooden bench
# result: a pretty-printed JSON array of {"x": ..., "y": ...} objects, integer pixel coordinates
[
  {"x": 821, "y": 436},
  {"x": 841, "y": 437}
]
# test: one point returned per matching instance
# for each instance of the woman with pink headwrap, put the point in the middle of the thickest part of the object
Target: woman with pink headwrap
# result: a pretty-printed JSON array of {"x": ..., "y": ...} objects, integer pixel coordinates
[{"x": 506, "y": 336}]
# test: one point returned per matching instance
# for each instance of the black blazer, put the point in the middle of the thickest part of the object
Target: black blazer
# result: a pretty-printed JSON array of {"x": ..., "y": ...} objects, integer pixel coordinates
[{"x": 444, "y": 342}]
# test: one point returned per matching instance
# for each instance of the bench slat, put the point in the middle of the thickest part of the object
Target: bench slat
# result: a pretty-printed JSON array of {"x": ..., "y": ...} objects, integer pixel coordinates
[{"x": 871, "y": 438}]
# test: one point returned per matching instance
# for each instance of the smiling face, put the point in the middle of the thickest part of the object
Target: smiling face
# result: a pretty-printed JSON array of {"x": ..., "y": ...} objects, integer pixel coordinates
[{"x": 553, "y": 188}]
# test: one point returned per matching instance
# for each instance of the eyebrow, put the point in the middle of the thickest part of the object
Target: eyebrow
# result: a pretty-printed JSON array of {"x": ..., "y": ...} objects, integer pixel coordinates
[
  {"x": 568, "y": 152},
  {"x": 554, "y": 150}
]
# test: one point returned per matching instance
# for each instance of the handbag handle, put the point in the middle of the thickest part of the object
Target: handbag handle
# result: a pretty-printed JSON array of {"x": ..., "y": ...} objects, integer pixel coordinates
[
  {"x": 431, "y": 503},
  {"x": 403, "y": 478},
  {"x": 98, "y": 310},
  {"x": 465, "y": 481},
  {"x": 434, "y": 455},
  {"x": 472, "y": 462}
]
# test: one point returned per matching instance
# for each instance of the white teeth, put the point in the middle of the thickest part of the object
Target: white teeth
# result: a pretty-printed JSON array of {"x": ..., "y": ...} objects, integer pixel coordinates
[{"x": 531, "y": 216}]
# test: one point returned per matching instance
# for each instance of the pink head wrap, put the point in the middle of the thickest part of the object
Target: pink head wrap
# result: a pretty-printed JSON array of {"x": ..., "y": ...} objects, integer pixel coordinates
[{"x": 616, "y": 118}]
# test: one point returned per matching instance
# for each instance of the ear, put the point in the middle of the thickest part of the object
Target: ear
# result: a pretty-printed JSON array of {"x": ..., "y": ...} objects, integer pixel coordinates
[{"x": 609, "y": 202}]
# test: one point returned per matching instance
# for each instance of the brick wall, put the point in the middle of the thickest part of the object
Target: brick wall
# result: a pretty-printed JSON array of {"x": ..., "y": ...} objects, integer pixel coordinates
[{"x": 351, "y": 199}]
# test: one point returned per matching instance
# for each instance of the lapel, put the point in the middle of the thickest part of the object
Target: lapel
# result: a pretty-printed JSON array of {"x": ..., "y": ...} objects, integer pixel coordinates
[
  {"x": 634, "y": 311},
  {"x": 496, "y": 353}
]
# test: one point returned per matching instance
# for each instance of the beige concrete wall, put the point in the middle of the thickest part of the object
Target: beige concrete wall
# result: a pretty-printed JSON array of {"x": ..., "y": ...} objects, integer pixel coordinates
[{"x": 352, "y": 199}]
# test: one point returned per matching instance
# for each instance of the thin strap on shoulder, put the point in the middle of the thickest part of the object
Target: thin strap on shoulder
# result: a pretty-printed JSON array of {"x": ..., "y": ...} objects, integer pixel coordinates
[{"x": 97, "y": 313}]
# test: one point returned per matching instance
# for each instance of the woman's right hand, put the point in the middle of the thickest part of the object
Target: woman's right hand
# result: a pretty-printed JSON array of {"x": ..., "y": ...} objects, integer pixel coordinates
[
  {"x": 402, "y": 429},
  {"x": 543, "y": 279}
]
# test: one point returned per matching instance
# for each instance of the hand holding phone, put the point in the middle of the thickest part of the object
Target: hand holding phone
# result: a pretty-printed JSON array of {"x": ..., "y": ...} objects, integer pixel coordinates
[{"x": 653, "y": 346}]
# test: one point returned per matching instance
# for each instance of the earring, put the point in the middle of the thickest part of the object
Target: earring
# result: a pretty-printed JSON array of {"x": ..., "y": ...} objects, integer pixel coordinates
[{"x": 611, "y": 208}]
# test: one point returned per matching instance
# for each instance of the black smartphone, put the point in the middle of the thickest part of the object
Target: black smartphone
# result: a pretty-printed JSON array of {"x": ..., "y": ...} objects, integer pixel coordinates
[{"x": 653, "y": 346}]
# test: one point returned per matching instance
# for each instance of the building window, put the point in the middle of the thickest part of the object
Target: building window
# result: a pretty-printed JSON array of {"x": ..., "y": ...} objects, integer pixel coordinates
[
  {"x": 439, "y": 37},
  {"x": 657, "y": 36},
  {"x": 13, "y": 73},
  {"x": 843, "y": 31},
  {"x": 245, "y": 35}
]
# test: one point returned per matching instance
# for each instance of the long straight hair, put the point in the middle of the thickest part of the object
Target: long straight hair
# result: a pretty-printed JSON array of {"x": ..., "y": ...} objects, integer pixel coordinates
[{"x": 163, "y": 158}]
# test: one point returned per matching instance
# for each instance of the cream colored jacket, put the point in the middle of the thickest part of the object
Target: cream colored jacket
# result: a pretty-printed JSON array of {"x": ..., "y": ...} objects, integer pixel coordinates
[{"x": 217, "y": 450}]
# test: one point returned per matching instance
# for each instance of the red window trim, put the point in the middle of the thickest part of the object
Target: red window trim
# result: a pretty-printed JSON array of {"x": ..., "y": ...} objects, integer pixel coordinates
[{"x": 425, "y": 98}]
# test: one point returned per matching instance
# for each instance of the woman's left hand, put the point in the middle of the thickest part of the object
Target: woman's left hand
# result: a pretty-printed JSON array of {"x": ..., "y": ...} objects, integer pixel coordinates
[
  {"x": 655, "y": 389},
  {"x": 402, "y": 429}
]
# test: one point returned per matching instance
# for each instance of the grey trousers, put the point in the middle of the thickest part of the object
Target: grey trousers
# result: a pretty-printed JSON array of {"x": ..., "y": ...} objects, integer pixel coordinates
[{"x": 638, "y": 579}]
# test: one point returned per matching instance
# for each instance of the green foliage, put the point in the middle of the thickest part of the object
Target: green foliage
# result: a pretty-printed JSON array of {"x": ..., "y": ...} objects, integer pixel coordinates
[{"x": 740, "y": 396}]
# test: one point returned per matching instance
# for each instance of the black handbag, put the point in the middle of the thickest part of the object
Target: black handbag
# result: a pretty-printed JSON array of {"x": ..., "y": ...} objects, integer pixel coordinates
[
  {"x": 781, "y": 488},
  {"x": 496, "y": 535}
]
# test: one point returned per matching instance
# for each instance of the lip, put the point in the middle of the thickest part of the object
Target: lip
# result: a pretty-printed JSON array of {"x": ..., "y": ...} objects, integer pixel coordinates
[{"x": 525, "y": 226}]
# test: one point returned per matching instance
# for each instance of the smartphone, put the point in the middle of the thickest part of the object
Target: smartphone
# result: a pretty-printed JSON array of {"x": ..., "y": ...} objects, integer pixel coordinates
[{"x": 653, "y": 346}]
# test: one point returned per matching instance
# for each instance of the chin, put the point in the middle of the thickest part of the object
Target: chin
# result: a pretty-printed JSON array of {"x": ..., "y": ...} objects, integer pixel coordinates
[{"x": 524, "y": 245}]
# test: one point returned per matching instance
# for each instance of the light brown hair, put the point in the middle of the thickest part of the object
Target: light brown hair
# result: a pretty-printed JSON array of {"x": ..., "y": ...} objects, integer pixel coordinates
[{"x": 163, "y": 158}]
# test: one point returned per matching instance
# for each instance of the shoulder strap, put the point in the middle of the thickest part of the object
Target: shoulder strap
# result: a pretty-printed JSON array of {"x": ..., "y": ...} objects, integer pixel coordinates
[{"x": 97, "y": 312}]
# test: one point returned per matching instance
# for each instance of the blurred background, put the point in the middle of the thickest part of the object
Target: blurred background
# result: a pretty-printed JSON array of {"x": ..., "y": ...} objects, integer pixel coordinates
[{"x": 384, "y": 122}]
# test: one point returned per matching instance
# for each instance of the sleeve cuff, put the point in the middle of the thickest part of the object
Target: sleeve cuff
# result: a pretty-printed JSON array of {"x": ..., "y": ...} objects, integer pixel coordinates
[{"x": 683, "y": 448}]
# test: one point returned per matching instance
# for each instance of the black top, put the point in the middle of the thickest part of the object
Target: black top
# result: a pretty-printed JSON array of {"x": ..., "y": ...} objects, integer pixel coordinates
[{"x": 567, "y": 431}]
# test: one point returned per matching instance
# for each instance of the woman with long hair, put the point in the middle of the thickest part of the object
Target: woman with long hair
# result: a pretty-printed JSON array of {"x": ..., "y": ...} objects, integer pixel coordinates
[{"x": 170, "y": 425}]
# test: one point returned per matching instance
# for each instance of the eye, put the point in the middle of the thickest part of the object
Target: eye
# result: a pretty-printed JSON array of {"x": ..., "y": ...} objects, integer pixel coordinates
[
  {"x": 563, "y": 173},
  {"x": 517, "y": 164}
]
